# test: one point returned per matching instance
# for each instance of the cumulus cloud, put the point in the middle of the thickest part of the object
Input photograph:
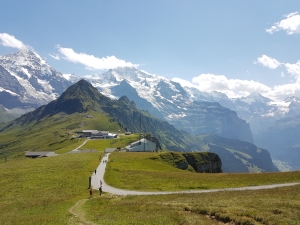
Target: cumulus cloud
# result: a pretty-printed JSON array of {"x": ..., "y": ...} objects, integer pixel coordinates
[
  {"x": 231, "y": 87},
  {"x": 267, "y": 61},
  {"x": 10, "y": 41},
  {"x": 91, "y": 62},
  {"x": 291, "y": 24},
  {"x": 281, "y": 92},
  {"x": 271, "y": 63},
  {"x": 234, "y": 88}
]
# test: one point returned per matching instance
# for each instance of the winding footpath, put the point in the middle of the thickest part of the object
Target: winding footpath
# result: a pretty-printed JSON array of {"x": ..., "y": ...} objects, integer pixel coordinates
[
  {"x": 95, "y": 182},
  {"x": 79, "y": 215}
]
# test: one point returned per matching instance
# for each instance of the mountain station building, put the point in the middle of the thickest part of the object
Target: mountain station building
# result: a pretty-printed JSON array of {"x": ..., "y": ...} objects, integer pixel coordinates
[
  {"x": 96, "y": 134},
  {"x": 142, "y": 145}
]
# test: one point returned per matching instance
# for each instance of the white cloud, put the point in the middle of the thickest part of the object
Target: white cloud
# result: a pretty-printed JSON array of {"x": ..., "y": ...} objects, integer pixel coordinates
[
  {"x": 293, "y": 69},
  {"x": 231, "y": 87},
  {"x": 55, "y": 56},
  {"x": 10, "y": 41},
  {"x": 267, "y": 61},
  {"x": 234, "y": 88},
  {"x": 91, "y": 62},
  {"x": 280, "y": 92},
  {"x": 291, "y": 24}
]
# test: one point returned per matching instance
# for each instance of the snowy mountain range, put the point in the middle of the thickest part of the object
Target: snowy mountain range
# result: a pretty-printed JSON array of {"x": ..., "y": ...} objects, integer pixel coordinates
[
  {"x": 169, "y": 100},
  {"x": 27, "y": 81}
]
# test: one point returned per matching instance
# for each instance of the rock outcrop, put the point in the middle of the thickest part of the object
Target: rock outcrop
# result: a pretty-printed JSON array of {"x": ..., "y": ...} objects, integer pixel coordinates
[
  {"x": 201, "y": 162},
  {"x": 207, "y": 162}
]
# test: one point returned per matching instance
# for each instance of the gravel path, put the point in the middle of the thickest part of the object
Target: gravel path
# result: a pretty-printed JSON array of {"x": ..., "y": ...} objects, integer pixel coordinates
[{"x": 106, "y": 188}]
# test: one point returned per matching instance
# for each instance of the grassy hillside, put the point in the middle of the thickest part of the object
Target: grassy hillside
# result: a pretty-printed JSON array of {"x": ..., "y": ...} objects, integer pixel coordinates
[
  {"x": 42, "y": 191},
  {"x": 147, "y": 171},
  {"x": 6, "y": 116},
  {"x": 53, "y": 133},
  {"x": 240, "y": 207}
]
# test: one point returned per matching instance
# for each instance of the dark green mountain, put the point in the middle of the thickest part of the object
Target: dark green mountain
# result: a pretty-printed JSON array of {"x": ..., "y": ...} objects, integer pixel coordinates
[{"x": 82, "y": 97}]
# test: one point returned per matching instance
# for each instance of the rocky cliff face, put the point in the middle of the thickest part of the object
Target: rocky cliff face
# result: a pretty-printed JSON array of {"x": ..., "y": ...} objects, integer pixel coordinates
[
  {"x": 212, "y": 118},
  {"x": 204, "y": 162},
  {"x": 201, "y": 162}
]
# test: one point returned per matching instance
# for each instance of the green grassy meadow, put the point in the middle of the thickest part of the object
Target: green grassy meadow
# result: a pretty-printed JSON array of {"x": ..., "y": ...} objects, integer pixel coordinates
[
  {"x": 279, "y": 206},
  {"x": 44, "y": 190},
  {"x": 146, "y": 172},
  {"x": 55, "y": 133},
  {"x": 40, "y": 191}
]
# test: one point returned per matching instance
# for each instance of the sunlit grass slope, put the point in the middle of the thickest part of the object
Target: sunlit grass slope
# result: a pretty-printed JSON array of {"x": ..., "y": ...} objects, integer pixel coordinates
[
  {"x": 51, "y": 133},
  {"x": 40, "y": 191},
  {"x": 146, "y": 171},
  {"x": 278, "y": 206}
]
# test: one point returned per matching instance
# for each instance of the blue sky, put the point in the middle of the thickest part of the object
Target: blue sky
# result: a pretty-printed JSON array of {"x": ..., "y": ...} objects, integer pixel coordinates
[{"x": 235, "y": 47}]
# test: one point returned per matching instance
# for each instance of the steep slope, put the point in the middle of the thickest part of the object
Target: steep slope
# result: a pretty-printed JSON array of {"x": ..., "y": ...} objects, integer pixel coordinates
[
  {"x": 124, "y": 88},
  {"x": 28, "y": 80},
  {"x": 239, "y": 156},
  {"x": 212, "y": 118},
  {"x": 6, "y": 115},
  {"x": 282, "y": 140}
]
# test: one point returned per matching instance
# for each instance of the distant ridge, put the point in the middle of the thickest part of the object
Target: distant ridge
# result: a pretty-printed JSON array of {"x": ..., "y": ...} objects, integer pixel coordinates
[{"x": 82, "y": 97}]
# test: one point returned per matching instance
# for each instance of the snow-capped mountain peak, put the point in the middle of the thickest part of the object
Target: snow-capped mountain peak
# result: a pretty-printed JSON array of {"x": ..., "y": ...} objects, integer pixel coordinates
[
  {"x": 255, "y": 98},
  {"x": 292, "y": 99},
  {"x": 35, "y": 81}
]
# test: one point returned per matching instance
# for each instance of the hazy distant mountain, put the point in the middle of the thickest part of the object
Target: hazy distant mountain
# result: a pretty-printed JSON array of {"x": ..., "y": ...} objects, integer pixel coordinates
[
  {"x": 239, "y": 156},
  {"x": 27, "y": 81},
  {"x": 282, "y": 140}
]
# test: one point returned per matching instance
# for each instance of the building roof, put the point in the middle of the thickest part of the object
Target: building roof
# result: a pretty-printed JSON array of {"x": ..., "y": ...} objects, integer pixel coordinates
[
  {"x": 40, "y": 154},
  {"x": 90, "y": 131},
  {"x": 143, "y": 140}
]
